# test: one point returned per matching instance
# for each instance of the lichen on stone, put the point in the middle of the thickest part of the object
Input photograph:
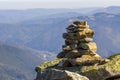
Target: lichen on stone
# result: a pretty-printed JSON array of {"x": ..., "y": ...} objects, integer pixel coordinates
[{"x": 48, "y": 64}]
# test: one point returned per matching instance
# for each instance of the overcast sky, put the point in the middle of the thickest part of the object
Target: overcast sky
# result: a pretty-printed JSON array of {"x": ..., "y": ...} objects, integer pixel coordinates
[{"x": 26, "y": 4}]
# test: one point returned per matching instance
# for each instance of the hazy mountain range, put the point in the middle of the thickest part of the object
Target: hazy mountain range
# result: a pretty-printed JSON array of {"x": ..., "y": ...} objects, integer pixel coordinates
[
  {"x": 29, "y": 37},
  {"x": 18, "y": 62}
]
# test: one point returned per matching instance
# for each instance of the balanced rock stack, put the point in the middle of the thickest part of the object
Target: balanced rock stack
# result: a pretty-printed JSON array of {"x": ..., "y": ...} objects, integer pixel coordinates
[
  {"x": 79, "y": 42},
  {"x": 79, "y": 60}
]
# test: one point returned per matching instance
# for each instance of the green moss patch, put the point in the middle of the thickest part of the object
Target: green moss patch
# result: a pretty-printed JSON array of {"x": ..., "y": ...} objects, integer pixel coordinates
[
  {"x": 113, "y": 56},
  {"x": 47, "y": 64}
]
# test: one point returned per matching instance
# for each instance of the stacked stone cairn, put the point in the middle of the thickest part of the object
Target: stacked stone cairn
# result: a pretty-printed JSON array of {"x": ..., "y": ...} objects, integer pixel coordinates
[
  {"x": 78, "y": 44},
  {"x": 78, "y": 52}
]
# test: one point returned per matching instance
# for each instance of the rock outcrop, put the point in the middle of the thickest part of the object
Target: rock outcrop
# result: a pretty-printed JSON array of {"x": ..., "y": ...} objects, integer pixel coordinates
[
  {"x": 107, "y": 71},
  {"x": 55, "y": 74},
  {"x": 79, "y": 60}
]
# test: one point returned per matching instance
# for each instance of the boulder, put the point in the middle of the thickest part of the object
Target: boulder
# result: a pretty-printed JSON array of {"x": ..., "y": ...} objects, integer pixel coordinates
[{"x": 55, "y": 74}]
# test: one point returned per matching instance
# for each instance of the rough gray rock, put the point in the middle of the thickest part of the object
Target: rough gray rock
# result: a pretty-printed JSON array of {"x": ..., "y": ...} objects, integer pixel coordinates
[{"x": 55, "y": 74}]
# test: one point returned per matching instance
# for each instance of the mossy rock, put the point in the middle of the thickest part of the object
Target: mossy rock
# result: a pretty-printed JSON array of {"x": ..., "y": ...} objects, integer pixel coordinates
[
  {"x": 47, "y": 64},
  {"x": 113, "y": 56},
  {"x": 100, "y": 72},
  {"x": 95, "y": 72}
]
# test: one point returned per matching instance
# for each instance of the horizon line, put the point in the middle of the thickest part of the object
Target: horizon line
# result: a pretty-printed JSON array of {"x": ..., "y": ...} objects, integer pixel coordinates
[{"x": 59, "y": 8}]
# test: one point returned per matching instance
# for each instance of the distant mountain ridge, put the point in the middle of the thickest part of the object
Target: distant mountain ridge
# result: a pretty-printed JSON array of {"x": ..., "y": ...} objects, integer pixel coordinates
[
  {"x": 40, "y": 28},
  {"x": 16, "y": 16},
  {"x": 17, "y": 63},
  {"x": 111, "y": 9}
]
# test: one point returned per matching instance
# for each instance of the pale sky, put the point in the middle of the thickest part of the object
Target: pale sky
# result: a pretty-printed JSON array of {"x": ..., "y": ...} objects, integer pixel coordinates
[{"x": 28, "y": 4}]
